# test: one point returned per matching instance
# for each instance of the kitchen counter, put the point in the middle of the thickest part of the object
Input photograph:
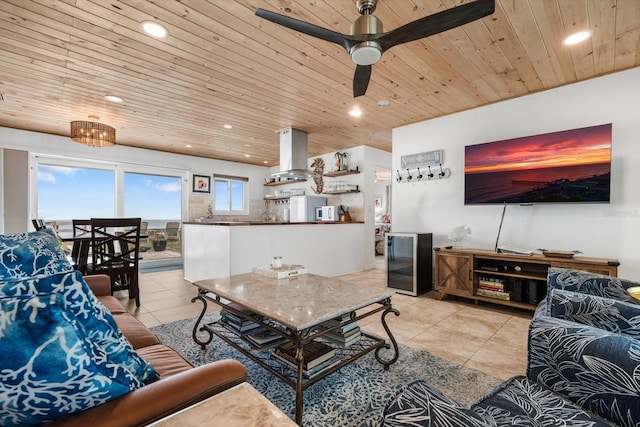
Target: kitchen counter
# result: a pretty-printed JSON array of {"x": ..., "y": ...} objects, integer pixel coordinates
[
  {"x": 223, "y": 248},
  {"x": 238, "y": 223}
]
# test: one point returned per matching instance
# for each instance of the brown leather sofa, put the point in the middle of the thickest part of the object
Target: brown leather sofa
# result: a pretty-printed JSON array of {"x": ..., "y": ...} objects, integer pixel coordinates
[{"x": 180, "y": 384}]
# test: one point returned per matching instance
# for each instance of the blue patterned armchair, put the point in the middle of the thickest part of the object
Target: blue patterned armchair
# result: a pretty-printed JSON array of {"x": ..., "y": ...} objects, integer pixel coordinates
[{"x": 583, "y": 366}]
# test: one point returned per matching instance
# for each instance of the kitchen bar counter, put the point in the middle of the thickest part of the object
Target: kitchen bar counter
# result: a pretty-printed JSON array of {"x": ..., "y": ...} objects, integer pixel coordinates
[{"x": 227, "y": 248}]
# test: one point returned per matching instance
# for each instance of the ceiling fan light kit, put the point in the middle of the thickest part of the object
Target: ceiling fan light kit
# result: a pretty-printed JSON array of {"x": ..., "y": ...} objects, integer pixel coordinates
[{"x": 367, "y": 41}]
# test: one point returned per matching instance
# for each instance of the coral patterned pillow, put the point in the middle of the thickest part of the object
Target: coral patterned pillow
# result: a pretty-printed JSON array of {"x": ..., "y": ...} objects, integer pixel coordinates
[
  {"x": 91, "y": 315},
  {"x": 35, "y": 254},
  {"x": 49, "y": 366}
]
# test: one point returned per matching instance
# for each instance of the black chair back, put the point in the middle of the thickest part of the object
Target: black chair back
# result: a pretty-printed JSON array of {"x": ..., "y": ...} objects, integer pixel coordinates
[
  {"x": 81, "y": 246},
  {"x": 115, "y": 246},
  {"x": 38, "y": 224}
]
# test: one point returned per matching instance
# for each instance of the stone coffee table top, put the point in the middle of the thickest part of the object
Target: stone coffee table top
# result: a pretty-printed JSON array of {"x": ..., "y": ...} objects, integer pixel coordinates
[{"x": 298, "y": 302}]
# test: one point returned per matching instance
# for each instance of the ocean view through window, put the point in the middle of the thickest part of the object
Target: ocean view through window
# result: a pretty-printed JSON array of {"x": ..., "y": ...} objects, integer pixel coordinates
[{"x": 67, "y": 191}]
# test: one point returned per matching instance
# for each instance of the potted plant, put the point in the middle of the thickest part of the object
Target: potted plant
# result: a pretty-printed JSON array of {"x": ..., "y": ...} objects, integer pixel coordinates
[
  {"x": 341, "y": 161},
  {"x": 159, "y": 242}
]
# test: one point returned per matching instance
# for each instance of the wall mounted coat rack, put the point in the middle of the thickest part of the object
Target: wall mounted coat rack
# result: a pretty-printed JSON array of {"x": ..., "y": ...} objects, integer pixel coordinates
[{"x": 421, "y": 174}]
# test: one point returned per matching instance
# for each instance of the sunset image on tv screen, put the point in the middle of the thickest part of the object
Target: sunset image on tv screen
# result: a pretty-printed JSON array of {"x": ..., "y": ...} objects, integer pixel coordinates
[{"x": 567, "y": 166}]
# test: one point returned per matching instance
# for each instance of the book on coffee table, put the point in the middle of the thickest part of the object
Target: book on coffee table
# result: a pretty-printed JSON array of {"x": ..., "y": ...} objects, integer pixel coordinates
[
  {"x": 314, "y": 353},
  {"x": 308, "y": 373},
  {"x": 264, "y": 339}
]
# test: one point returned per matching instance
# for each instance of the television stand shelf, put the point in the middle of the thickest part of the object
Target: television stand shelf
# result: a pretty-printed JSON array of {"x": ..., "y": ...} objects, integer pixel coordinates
[{"x": 507, "y": 279}]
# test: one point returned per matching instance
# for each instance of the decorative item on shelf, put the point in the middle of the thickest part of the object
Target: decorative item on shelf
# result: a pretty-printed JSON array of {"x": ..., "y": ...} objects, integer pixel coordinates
[
  {"x": 558, "y": 254},
  {"x": 343, "y": 214},
  {"x": 92, "y": 133},
  {"x": 458, "y": 234},
  {"x": 341, "y": 161},
  {"x": 318, "y": 168}
]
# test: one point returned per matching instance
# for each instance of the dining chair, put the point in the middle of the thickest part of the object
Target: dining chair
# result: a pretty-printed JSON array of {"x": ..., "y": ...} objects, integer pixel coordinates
[
  {"x": 172, "y": 230},
  {"x": 115, "y": 246},
  {"x": 38, "y": 224},
  {"x": 81, "y": 244}
]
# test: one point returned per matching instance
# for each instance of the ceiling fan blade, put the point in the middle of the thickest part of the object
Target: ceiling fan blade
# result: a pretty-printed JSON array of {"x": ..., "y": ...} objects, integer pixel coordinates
[
  {"x": 361, "y": 80},
  {"x": 437, "y": 23},
  {"x": 307, "y": 28}
]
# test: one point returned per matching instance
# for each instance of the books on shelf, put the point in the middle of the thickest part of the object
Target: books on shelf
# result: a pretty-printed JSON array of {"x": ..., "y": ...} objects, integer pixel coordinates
[
  {"x": 237, "y": 323},
  {"x": 343, "y": 341},
  {"x": 505, "y": 296},
  {"x": 344, "y": 335},
  {"x": 239, "y": 330},
  {"x": 308, "y": 373},
  {"x": 314, "y": 353},
  {"x": 493, "y": 287},
  {"x": 264, "y": 339}
]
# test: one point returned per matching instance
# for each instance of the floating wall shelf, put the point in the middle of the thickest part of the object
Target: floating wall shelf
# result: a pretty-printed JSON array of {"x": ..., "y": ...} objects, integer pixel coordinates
[{"x": 341, "y": 173}]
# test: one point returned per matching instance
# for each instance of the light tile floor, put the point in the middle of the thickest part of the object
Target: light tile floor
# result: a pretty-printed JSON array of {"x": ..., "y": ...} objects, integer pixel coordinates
[{"x": 487, "y": 337}]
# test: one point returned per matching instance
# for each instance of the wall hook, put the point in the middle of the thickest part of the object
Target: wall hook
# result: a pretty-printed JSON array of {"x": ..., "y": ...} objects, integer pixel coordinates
[
  {"x": 419, "y": 177},
  {"x": 409, "y": 177},
  {"x": 430, "y": 175},
  {"x": 399, "y": 178},
  {"x": 441, "y": 174}
]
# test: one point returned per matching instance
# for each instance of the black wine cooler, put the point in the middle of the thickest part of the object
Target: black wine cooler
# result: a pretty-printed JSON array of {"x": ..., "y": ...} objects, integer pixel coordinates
[{"x": 409, "y": 262}]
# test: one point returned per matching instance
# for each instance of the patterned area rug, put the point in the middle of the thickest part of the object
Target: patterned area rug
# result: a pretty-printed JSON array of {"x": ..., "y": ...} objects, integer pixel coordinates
[{"x": 354, "y": 395}]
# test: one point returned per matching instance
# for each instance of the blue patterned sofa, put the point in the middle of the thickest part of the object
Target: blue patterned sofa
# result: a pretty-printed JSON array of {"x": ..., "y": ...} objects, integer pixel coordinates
[{"x": 583, "y": 366}]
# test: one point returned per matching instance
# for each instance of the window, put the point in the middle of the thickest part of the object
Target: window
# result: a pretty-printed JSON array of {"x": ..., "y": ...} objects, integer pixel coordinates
[
  {"x": 230, "y": 195},
  {"x": 152, "y": 197},
  {"x": 67, "y": 189},
  {"x": 66, "y": 192}
]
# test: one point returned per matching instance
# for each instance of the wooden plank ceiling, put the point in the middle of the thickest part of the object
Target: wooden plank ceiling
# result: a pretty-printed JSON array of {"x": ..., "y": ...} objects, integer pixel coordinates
[{"x": 220, "y": 64}]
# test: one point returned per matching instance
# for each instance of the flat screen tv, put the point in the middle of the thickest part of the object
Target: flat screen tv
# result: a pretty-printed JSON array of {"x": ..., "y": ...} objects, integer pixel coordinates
[{"x": 570, "y": 166}]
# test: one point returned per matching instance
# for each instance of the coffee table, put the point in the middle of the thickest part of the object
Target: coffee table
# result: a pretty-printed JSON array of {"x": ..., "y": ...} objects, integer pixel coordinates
[{"x": 295, "y": 308}]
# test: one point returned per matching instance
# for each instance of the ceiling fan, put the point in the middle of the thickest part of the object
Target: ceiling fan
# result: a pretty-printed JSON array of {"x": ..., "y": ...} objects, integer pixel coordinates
[{"x": 367, "y": 41}]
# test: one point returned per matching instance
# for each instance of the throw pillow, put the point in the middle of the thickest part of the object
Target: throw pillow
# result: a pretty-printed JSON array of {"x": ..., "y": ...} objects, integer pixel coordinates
[
  {"x": 35, "y": 254},
  {"x": 92, "y": 315},
  {"x": 49, "y": 367}
]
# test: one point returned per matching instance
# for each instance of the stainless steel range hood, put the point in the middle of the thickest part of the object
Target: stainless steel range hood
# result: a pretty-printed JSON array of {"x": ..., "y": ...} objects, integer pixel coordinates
[{"x": 294, "y": 155}]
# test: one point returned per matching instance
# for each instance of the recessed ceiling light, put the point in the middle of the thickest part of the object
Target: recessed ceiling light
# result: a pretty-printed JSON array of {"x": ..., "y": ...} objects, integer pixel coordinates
[
  {"x": 228, "y": 126},
  {"x": 154, "y": 29},
  {"x": 188, "y": 145},
  {"x": 575, "y": 38},
  {"x": 113, "y": 98},
  {"x": 247, "y": 145},
  {"x": 247, "y": 155},
  {"x": 355, "y": 112},
  {"x": 265, "y": 161},
  {"x": 383, "y": 102}
]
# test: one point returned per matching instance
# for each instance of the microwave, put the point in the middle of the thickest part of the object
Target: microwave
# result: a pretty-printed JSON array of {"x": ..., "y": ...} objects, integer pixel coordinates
[{"x": 327, "y": 213}]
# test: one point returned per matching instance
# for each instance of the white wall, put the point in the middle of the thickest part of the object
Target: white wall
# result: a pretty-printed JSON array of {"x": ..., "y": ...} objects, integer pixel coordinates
[{"x": 610, "y": 231}]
